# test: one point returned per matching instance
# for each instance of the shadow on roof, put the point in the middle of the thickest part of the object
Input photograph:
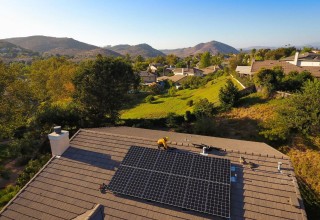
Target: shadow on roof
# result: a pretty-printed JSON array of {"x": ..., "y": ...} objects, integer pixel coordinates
[{"x": 96, "y": 159}]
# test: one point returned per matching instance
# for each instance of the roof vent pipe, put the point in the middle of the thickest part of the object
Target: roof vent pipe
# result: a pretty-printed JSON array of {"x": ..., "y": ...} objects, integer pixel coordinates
[
  {"x": 204, "y": 153},
  {"x": 279, "y": 166}
]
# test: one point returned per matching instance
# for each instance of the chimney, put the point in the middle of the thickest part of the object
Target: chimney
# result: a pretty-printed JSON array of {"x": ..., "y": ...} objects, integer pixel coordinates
[
  {"x": 296, "y": 56},
  {"x": 59, "y": 141}
]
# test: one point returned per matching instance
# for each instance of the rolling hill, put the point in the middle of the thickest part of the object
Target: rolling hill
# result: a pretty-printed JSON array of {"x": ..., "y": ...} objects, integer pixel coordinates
[
  {"x": 51, "y": 45},
  {"x": 214, "y": 47},
  {"x": 93, "y": 53},
  {"x": 10, "y": 52},
  {"x": 144, "y": 50}
]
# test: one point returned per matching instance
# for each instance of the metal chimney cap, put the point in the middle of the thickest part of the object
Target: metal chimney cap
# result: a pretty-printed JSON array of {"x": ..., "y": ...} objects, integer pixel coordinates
[{"x": 57, "y": 129}]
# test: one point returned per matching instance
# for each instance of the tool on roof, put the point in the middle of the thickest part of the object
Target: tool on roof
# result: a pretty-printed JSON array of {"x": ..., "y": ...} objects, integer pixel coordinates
[
  {"x": 207, "y": 147},
  {"x": 103, "y": 188},
  {"x": 162, "y": 142}
]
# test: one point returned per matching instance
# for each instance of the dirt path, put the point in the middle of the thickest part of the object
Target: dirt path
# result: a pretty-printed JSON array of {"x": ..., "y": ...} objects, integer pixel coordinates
[{"x": 14, "y": 173}]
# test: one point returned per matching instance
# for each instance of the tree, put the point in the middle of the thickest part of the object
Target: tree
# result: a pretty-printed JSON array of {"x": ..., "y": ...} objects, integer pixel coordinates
[
  {"x": 51, "y": 79},
  {"x": 203, "y": 108},
  {"x": 205, "y": 60},
  {"x": 306, "y": 49},
  {"x": 101, "y": 87},
  {"x": 240, "y": 59},
  {"x": 229, "y": 95},
  {"x": 217, "y": 60},
  {"x": 172, "y": 59},
  {"x": 269, "y": 80},
  {"x": 301, "y": 114},
  {"x": 16, "y": 99},
  {"x": 294, "y": 81},
  {"x": 172, "y": 91}
]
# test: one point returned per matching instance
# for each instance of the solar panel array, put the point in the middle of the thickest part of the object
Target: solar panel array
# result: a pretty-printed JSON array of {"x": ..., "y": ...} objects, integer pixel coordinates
[{"x": 185, "y": 180}]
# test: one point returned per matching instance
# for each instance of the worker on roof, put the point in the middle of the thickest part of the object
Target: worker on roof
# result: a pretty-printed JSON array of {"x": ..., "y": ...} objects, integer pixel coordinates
[{"x": 162, "y": 142}]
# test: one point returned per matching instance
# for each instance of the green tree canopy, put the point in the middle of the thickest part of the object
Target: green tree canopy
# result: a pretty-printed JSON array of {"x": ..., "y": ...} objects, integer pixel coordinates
[
  {"x": 229, "y": 95},
  {"x": 205, "y": 60},
  {"x": 301, "y": 114},
  {"x": 101, "y": 87},
  {"x": 270, "y": 80},
  {"x": 172, "y": 59},
  {"x": 203, "y": 108},
  {"x": 16, "y": 99},
  {"x": 51, "y": 79}
]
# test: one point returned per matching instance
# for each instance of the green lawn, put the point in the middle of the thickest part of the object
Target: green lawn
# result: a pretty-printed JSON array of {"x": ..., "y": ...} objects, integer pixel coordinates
[{"x": 178, "y": 104}]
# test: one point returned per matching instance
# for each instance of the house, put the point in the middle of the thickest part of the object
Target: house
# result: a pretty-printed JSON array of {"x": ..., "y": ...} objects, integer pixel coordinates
[
  {"x": 211, "y": 69},
  {"x": 176, "y": 79},
  {"x": 305, "y": 59},
  {"x": 287, "y": 66},
  {"x": 147, "y": 78},
  {"x": 155, "y": 66},
  {"x": 262, "y": 182},
  {"x": 188, "y": 72},
  {"x": 244, "y": 71}
]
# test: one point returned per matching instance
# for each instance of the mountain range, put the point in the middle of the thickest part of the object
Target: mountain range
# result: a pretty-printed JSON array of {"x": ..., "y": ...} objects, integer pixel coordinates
[
  {"x": 214, "y": 47},
  {"x": 47, "y": 46}
]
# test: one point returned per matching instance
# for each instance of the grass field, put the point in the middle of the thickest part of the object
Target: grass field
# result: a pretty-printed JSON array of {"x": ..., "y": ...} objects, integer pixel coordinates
[{"x": 177, "y": 104}]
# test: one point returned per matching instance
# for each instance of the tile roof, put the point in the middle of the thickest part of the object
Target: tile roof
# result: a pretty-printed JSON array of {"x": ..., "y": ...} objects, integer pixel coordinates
[
  {"x": 175, "y": 78},
  {"x": 287, "y": 67},
  {"x": 68, "y": 187},
  {"x": 244, "y": 69},
  {"x": 305, "y": 57}
]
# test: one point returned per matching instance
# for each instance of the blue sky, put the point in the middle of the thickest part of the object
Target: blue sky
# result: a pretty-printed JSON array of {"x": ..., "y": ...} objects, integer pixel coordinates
[{"x": 165, "y": 24}]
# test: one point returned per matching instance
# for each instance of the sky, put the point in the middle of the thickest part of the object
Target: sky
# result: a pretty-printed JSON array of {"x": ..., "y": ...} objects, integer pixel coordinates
[{"x": 165, "y": 24}]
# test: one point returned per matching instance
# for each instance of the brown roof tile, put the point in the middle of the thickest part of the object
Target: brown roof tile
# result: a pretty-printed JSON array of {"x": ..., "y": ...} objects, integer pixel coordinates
[
  {"x": 68, "y": 186},
  {"x": 287, "y": 67}
]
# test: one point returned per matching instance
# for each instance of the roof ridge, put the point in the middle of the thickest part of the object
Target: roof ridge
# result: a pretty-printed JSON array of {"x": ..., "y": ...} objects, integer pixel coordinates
[{"x": 186, "y": 144}]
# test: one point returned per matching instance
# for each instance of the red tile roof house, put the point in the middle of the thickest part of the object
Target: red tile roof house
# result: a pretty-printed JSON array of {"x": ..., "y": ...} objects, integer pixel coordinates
[{"x": 67, "y": 187}]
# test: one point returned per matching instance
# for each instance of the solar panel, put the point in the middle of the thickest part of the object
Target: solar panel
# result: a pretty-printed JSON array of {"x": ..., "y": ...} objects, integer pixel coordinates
[{"x": 185, "y": 180}]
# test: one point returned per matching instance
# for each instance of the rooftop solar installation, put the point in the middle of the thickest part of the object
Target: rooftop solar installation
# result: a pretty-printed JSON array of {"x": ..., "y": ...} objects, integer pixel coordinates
[{"x": 187, "y": 180}]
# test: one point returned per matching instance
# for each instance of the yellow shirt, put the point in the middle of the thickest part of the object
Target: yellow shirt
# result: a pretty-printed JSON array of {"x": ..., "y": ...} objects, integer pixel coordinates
[{"x": 163, "y": 142}]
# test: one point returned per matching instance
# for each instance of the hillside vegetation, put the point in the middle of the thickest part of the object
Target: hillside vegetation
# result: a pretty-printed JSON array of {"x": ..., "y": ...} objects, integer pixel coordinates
[
  {"x": 144, "y": 50},
  {"x": 178, "y": 104}
]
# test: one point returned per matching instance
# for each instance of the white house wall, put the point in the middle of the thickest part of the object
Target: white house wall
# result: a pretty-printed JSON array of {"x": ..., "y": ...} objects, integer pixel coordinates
[{"x": 305, "y": 63}]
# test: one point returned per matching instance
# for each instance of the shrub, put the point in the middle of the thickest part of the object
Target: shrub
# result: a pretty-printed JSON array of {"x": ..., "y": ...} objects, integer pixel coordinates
[
  {"x": 189, "y": 117},
  {"x": 172, "y": 91},
  {"x": 204, "y": 126},
  {"x": 149, "y": 98},
  {"x": 203, "y": 108},
  {"x": 171, "y": 121},
  {"x": 7, "y": 194},
  {"x": 4, "y": 173},
  {"x": 31, "y": 169},
  {"x": 190, "y": 103}
]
